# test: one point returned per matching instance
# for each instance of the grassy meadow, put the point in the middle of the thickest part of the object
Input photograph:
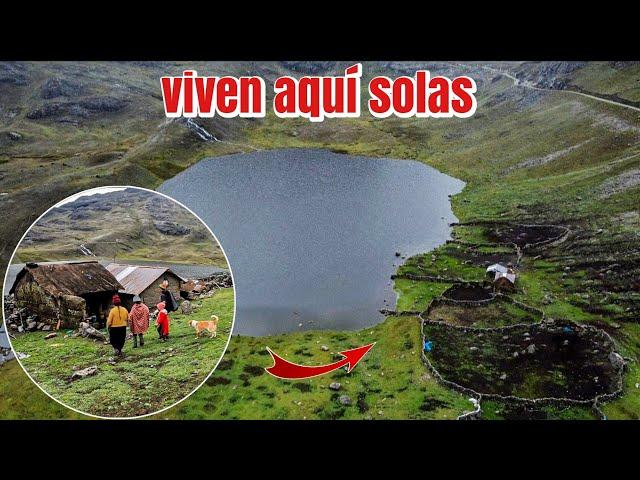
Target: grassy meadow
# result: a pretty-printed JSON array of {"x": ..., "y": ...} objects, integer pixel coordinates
[{"x": 148, "y": 379}]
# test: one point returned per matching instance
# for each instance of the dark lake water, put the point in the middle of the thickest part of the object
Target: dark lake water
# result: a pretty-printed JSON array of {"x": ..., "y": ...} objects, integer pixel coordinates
[{"x": 311, "y": 235}]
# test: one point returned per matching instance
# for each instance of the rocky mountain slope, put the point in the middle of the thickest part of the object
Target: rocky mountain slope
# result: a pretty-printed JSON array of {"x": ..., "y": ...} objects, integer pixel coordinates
[{"x": 129, "y": 224}]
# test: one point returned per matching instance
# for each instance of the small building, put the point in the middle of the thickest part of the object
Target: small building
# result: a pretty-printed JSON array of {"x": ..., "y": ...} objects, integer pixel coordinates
[
  {"x": 65, "y": 292},
  {"x": 504, "y": 280},
  {"x": 496, "y": 268},
  {"x": 144, "y": 281}
]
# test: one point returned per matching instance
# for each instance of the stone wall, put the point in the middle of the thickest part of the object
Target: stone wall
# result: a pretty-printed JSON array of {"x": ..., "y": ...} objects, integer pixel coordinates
[
  {"x": 151, "y": 296},
  {"x": 43, "y": 308},
  {"x": 35, "y": 301}
]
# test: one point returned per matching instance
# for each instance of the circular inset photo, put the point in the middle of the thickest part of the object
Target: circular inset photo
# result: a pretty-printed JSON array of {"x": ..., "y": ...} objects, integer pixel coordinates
[{"x": 119, "y": 302}]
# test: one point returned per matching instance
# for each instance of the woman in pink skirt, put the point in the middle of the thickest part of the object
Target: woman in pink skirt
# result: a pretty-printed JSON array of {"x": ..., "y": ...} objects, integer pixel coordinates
[{"x": 138, "y": 320}]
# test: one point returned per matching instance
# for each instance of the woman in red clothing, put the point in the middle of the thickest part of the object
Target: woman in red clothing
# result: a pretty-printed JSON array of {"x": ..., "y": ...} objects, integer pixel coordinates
[
  {"x": 162, "y": 322},
  {"x": 138, "y": 321}
]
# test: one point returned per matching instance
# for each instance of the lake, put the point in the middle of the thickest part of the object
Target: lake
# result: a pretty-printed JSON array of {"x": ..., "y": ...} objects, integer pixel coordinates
[{"x": 311, "y": 235}]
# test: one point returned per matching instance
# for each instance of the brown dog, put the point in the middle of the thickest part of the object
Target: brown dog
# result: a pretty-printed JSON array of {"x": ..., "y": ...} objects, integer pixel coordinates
[{"x": 211, "y": 326}]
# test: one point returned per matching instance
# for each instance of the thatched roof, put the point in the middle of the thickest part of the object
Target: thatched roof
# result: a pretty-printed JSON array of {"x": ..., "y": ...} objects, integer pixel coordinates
[
  {"x": 136, "y": 279},
  {"x": 80, "y": 278}
]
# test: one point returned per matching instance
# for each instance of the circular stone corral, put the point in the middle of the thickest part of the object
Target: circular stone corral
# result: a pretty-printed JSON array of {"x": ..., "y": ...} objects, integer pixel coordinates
[
  {"x": 468, "y": 292},
  {"x": 498, "y": 311},
  {"x": 530, "y": 236},
  {"x": 550, "y": 360}
]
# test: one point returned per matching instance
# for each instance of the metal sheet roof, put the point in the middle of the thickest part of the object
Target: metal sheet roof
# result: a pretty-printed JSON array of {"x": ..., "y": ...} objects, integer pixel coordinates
[
  {"x": 74, "y": 278},
  {"x": 497, "y": 267},
  {"x": 136, "y": 279}
]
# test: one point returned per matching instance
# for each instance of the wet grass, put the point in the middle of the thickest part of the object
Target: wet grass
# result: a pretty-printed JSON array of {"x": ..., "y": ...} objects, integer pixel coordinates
[
  {"x": 149, "y": 378},
  {"x": 445, "y": 262},
  {"x": 415, "y": 295},
  {"x": 497, "y": 313},
  {"x": 389, "y": 383}
]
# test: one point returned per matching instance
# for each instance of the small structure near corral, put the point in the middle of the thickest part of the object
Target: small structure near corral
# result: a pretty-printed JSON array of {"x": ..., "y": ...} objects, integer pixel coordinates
[
  {"x": 504, "y": 277},
  {"x": 64, "y": 292},
  {"x": 144, "y": 281},
  {"x": 505, "y": 281},
  {"x": 496, "y": 268}
]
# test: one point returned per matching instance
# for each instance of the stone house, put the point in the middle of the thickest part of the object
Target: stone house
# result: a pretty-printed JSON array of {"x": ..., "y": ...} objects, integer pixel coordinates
[
  {"x": 505, "y": 281},
  {"x": 64, "y": 294},
  {"x": 144, "y": 281}
]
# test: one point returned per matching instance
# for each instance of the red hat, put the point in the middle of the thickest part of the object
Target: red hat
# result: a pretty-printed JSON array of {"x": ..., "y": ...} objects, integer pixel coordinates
[{"x": 115, "y": 300}]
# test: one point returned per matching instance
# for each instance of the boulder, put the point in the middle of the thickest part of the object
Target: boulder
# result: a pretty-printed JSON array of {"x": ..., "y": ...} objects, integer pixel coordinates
[
  {"x": 531, "y": 349},
  {"x": 616, "y": 360},
  {"x": 324, "y": 348},
  {"x": 103, "y": 104},
  {"x": 171, "y": 228},
  {"x": 335, "y": 386},
  {"x": 58, "y": 87},
  {"x": 85, "y": 372},
  {"x": 79, "y": 109},
  {"x": 87, "y": 330},
  {"x": 186, "y": 307},
  {"x": 344, "y": 400}
]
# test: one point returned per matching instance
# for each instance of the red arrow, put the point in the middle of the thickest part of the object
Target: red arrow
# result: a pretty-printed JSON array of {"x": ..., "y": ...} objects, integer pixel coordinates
[{"x": 284, "y": 369}]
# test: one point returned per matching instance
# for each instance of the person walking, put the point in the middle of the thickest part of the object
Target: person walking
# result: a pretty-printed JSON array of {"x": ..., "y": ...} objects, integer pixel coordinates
[
  {"x": 138, "y": 321},
  {"x": 170, "y": 303},
  {"x": 117, "y": 324},
  {"x": 162, "y": 322}
]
